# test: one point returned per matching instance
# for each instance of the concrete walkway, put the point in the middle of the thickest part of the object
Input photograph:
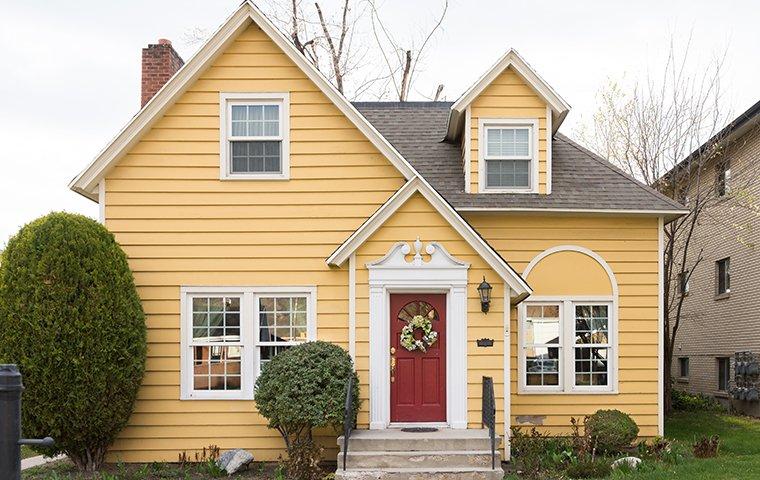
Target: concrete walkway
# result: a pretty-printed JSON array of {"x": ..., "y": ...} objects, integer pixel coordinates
[{"x": 39, "y": 460}]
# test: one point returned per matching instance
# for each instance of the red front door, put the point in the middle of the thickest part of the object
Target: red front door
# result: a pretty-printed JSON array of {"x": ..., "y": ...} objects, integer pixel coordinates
[{"x": 418, "y": 380}]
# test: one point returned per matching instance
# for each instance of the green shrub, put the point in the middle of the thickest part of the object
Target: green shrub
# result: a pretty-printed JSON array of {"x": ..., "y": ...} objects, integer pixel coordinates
[
  {"x": 71, "y": 319},
  {"x": 304, "y": 388},
  {"x": 589, "y": 468},
  {"x": 611, "y": 430},
  {"x": 686, "y": 402}
]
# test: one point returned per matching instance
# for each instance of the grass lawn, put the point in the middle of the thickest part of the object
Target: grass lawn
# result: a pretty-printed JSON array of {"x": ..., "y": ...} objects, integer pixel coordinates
[
  {"x": 65, "y": 470},
  {"x": 27, "y": 452},
  {"x": 738, "y": 457}
]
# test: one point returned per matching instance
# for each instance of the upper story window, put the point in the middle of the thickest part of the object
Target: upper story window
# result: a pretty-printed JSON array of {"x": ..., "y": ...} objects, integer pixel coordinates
[
  {"x": 723, "y": 179},
  {"x": 254, "y": 136},
  {"x": 723, "y": 274},
  {"x": 509, "y": 156}
]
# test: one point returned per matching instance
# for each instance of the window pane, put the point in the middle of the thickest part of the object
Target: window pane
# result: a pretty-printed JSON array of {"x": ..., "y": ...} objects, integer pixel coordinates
[
  {"x": 216, "y": 319},
  {"x": 507, "y": 173},
  {"x": 508, "y": 142},
  {"x": 255, "y": 120},
  {"x": 591, "y": 324},
  {"x": 282, "y": 319},
  {"x": 256, "y": 157},
  {"x": 542, "y": 366},
  {"x": 591, "y": 366},
  {"x": 542, "y": 330},
  {"x": 216, "y": 367},
  {"x": 239, "y": 112}
]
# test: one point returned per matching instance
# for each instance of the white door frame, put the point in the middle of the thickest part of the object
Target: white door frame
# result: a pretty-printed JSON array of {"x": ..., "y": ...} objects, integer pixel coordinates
[{"x": 442, "y": 273}]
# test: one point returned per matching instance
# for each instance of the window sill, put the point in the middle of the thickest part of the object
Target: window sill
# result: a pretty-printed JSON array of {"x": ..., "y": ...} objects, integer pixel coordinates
[
  {"x": 567, "y": 392},
  {"x": 682, "y": 379},
  {"x": 721, "y": 394},
  {"x": 262, "y": 177},
  {"x": 722, "y": 296}
]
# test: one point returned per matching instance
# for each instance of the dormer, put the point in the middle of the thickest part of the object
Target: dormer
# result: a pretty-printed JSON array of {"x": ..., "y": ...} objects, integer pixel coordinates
[{"x": 505, "y": 123}]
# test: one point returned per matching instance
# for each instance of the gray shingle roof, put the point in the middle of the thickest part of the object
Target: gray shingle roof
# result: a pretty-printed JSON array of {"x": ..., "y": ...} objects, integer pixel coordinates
[{"x": 580, "y": 178}]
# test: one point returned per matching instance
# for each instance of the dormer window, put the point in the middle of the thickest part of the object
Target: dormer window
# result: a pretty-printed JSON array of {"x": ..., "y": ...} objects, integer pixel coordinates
[
  {"x": 254, "y": 136},
  {"x": 509, "y": 156}
]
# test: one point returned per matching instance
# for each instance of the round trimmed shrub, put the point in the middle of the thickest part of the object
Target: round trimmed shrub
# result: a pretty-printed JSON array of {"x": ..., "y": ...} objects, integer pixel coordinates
[
  {"x": 70, "y": 317},
  {"x": 302, "y": 388},
  {"x": 611, "y": 430}
]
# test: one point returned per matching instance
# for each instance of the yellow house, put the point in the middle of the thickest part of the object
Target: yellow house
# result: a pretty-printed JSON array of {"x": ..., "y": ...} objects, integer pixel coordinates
[{"x": 259, "y": 208}]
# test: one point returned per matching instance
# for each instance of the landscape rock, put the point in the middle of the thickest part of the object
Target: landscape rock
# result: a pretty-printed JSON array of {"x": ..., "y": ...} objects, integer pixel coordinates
[
  {"x": 233, "y": 461},
  {"x": 632, "y": 462}
]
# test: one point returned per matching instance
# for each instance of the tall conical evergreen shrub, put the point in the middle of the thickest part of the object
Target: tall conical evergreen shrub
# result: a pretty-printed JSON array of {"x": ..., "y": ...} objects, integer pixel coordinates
[{"x": 71, "y": 318}]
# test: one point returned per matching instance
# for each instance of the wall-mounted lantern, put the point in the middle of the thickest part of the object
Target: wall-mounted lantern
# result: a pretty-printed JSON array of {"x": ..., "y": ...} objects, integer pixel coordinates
[{"x": 484, "y": 289}]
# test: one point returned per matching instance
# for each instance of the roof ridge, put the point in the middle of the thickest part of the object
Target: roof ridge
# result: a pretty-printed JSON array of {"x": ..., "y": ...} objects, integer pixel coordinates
[{"x": 599, "y": 159}]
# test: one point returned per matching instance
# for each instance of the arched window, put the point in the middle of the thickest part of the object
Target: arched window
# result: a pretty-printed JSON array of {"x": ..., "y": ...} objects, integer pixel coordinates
[{"x": 568, "y": 327}]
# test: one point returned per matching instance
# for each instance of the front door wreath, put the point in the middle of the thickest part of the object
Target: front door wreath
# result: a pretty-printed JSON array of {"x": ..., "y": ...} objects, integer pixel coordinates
[{"x": 429, "y": 336}]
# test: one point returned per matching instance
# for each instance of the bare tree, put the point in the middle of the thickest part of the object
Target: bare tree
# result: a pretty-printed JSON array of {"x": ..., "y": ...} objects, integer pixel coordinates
[
  {"x": 402, "y": 63},
  {"x": 654, "y": 131},
  {"x": 327, "y": 41}
]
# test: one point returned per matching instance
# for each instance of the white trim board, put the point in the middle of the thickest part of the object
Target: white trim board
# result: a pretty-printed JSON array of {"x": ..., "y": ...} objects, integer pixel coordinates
[
  {"x": 495, "y": 261},
  {"x": 559, "y": 106},
  {"x": 442, "y": 273},
  {"x": 660, "y": 326},
  {"x": 86, "y": 182}
]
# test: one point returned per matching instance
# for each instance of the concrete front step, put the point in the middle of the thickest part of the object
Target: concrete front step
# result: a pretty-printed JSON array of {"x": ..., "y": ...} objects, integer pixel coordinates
[
  {"x": 441, "y": 455},
  {"x": 422, "y": 474},
  {"x": 419, "y": 459},
  {"x": 393, "y": 440}
]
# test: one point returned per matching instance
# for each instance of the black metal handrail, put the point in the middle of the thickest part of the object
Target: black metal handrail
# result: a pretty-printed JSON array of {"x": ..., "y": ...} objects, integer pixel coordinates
[
  {"x": 489, "y": 416},
  {"x": 349, "y": 417}
]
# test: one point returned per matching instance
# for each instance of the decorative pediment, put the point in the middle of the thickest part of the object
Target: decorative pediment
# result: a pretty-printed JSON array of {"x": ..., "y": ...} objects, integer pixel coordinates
[{"x": 433, "y": 255}]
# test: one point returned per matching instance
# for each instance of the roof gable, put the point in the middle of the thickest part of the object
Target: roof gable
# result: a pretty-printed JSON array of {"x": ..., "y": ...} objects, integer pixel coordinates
[
  {"x": 519, "y": 287},
  {"x": 511, "y": 59},
  {"x": 86, "y": 183}
]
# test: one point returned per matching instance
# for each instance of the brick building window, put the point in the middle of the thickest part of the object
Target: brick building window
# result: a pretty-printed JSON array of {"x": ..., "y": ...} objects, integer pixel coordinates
[
  {"x": 724, "y": 373},
  {"x": 683, "y": 367},
  {"x": 723, "y": 179},
  {"x": 723, "y": 273}
]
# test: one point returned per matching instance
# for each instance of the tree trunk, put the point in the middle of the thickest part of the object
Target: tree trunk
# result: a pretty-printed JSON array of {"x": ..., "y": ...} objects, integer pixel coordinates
[
  {"x": 90, "y": 460},
  {"x": 667, "y": 384}
]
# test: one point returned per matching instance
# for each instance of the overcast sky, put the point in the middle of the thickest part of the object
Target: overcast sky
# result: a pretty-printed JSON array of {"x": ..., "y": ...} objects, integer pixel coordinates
[{"x": 71, "y": 70}]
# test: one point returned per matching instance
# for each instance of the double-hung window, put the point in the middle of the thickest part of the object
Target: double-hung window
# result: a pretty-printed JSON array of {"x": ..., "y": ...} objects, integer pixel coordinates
[
  {"x": 230, "y": 333},
  {"x": 509, "y": 156},
  {"x": 592, "y": 345},
  {"x": 542, "y": 345},
  {"x": 254, "y": 136},
  {"x": 567, "y": 345}
]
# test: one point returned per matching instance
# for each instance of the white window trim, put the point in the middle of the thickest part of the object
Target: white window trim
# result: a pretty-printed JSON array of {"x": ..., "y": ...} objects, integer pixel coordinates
[
  {"x": 250, "y": 363},
  {"x": 483, "y": 125},
  {"x": 226, "y": 100},
  {"x": 567, "y": 347}
]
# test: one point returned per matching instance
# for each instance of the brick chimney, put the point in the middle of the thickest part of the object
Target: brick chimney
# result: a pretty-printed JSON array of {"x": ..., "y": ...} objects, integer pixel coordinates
[{"x": 159, "y": 63}]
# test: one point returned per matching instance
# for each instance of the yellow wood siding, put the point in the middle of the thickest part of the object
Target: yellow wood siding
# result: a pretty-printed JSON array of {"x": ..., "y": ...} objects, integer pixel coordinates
[
  {"x": 630, "y": 247},
  {"x": 180, "y": 225},
  {"x": 508, "y": 96}
]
